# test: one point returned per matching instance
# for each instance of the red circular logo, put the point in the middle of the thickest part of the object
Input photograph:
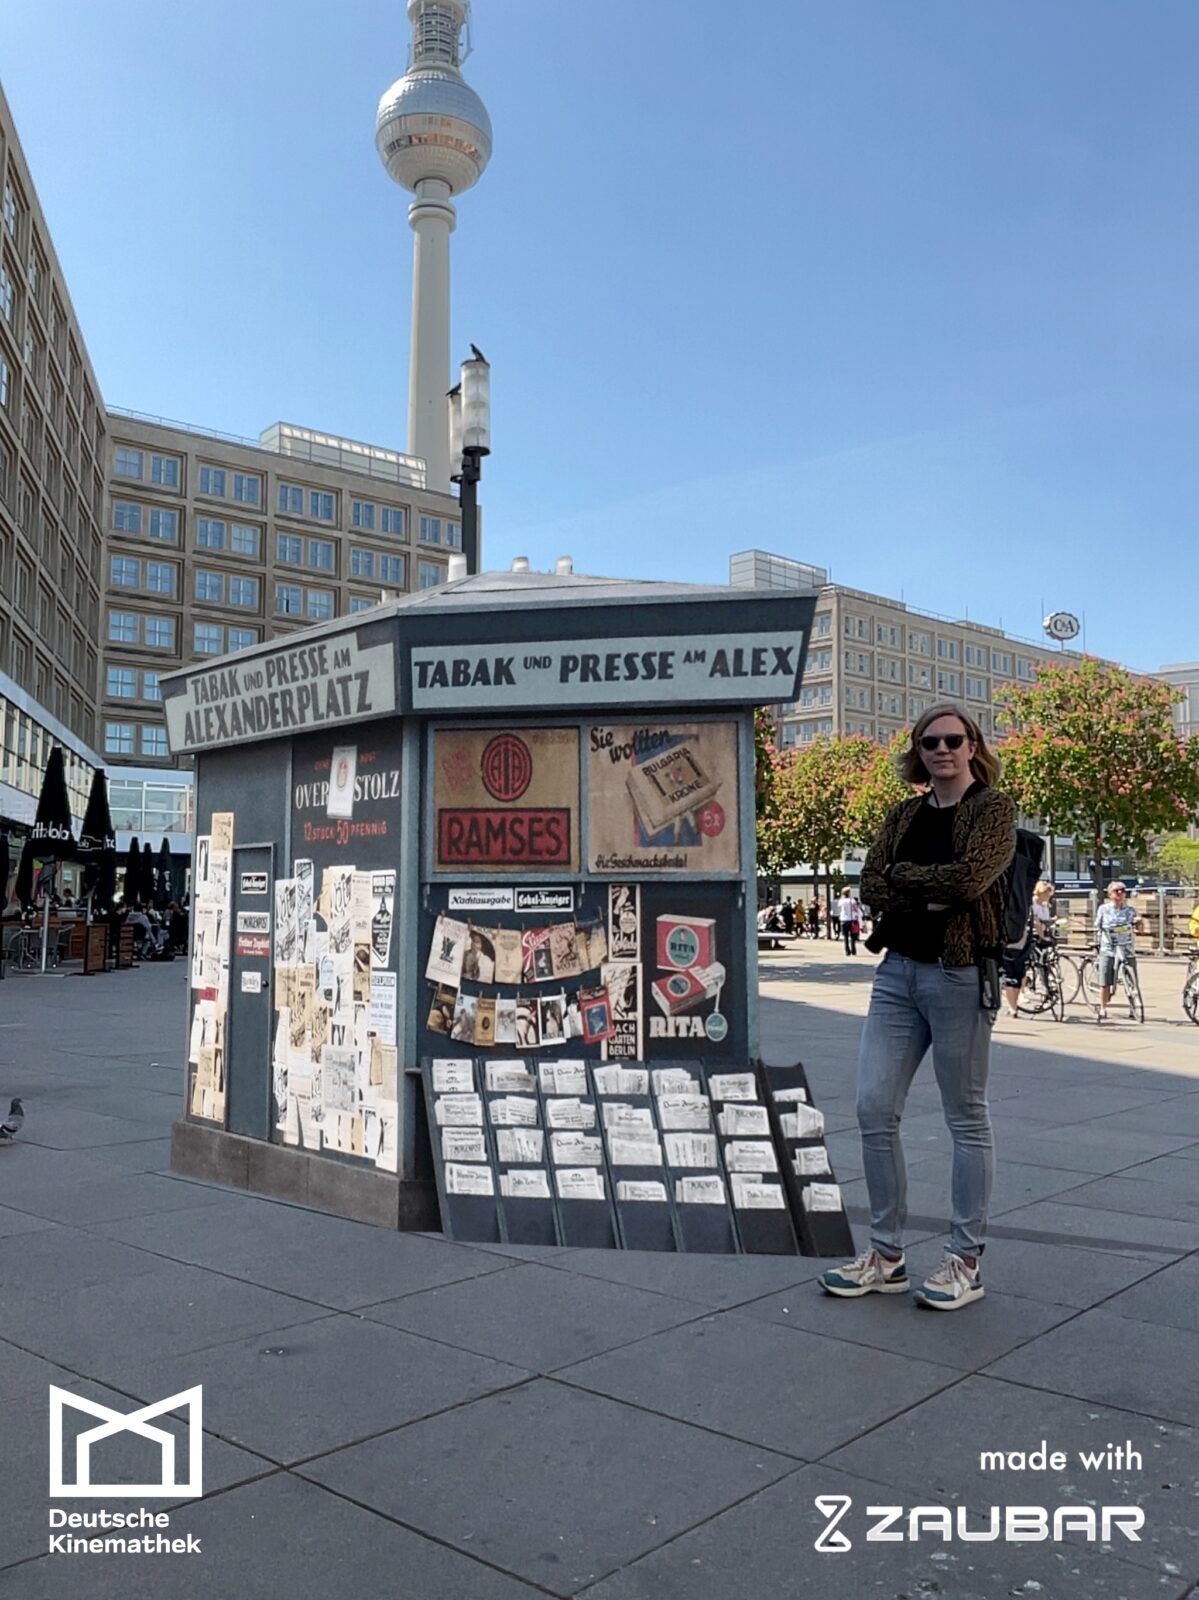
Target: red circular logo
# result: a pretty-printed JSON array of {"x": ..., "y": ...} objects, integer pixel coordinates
[
  {"x": 507, "y": 767},
  {"x": 711, "y": 819}
]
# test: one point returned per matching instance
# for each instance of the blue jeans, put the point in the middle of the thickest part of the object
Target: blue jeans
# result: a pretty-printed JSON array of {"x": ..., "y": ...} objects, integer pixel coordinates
[{"x": 915, "y": 1004}]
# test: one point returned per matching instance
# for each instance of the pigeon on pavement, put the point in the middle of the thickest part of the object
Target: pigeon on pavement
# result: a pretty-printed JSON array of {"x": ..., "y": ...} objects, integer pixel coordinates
[{"x": 11, "y": 1124}]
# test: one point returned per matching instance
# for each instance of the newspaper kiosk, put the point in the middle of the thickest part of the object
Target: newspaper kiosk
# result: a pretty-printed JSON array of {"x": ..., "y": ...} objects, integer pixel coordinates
[{"x": 473, "y": 929}]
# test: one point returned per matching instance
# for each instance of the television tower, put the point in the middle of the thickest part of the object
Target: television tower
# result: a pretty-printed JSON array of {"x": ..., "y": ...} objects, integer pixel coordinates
[{"x": 433, "y": 135}]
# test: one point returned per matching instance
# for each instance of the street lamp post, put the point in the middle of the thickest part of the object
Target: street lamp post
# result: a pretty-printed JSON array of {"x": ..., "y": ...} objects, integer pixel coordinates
[{"x": 470, "y": 441}]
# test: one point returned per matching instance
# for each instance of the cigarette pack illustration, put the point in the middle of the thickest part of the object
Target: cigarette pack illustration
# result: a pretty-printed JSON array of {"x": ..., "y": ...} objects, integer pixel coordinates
[
  {"x": 685, "y": 942},
  {"x": 669, "y": 787},
  {"x": 679, "y": 992}
]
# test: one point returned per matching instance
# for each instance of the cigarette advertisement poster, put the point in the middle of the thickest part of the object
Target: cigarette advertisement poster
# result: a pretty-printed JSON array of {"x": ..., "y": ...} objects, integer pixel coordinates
[
  {"x": 506, "y": 800},
  {"x": 663, "y": 797}
]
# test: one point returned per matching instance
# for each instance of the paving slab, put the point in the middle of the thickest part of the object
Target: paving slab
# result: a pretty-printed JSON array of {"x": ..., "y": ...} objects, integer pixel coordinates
[
  {"x": 741, "y": 1552},
  {"x": 1178, "y": 1116},
  {"x": 552, "y": 1484},
  {"x": 145, "y": 1155},
  {"x": 1170, "y": 1297},
  {"x": 337, "y": 1262},
  {"x": 62, "y": 1127},
  {"x": 715, "y": 1282},
  {"x": 1096, "y": 1147},
  {"x": 1076, "y": 1224},
  {"x": 22, "y": 1373},
  {"x": 289, "y": 1392},
  {"x": 100, "y": 1329},
  {"x": 54, "y": 1260},
  {"x": 784, "y": 1388},
  {"x": 898, "y": 1323},
  {"x": 535, "y": 1316},
  {"x": 276, "y": 1537},
  {"x": 121, "y": 1194},
  {"x": 1116, "y": 1361},
  {"x": 14, "y": 1222},
  {"x": 986, "y": 1414},
  {"x": 123, "y": 1459},
  {"x": 1138, "y": 1197}
]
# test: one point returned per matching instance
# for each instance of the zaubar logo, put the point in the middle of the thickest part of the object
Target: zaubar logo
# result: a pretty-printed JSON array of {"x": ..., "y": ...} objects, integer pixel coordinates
[
  {"x": 1012, "y": 1524},
  {"x": 112, "y": 1422}
]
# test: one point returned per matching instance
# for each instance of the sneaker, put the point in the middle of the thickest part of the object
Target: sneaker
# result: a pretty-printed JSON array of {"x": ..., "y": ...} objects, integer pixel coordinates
[
  {"x": 952, "y": 1286},
  {"x": 869, "y": 1273}
]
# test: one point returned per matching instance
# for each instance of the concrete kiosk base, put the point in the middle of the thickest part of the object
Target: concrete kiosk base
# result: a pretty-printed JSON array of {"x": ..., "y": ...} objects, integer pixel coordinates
[{"x": 303, "y": 1177}]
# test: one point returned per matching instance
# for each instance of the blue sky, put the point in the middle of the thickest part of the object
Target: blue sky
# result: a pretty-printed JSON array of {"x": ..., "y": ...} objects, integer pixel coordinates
[{"x": 903, "y": 289}]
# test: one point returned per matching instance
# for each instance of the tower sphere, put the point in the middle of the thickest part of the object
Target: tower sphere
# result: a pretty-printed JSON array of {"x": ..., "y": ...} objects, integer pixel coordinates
[{"x": 432, "y": 124}]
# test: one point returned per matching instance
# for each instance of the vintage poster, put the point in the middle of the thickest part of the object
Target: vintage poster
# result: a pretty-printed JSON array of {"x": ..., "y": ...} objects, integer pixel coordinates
[
  {"x": 509, "y": 955},
  {"x": 343, "y": 769},
  {"x": 383, "y": 894},
  {"x": 505, "y": 1021},
  {"x": 383, "y": 1010},
  {"x": 478, "y": 962},
  {"x": 441, "y": 1010},
  {"x": 507, "y": 800},
  {"x": 622, "y": 979},
  {"x": 565, "y": 958},
  {"x": 624, "y": 922},
  {"x": 447, "y": 952},
  {"x": 663, "y": 798},
  {"x": 537, "y": 961},
  {"x": 551, "y": 1019}
]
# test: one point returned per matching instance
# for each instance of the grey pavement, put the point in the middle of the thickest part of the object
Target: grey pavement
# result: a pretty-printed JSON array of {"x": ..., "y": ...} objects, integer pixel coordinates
[{"x": 401, "y": 1415}]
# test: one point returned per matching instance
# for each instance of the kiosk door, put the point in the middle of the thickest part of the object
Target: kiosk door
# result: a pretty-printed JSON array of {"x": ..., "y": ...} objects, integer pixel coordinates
[{"x": 248, "y": 1051}]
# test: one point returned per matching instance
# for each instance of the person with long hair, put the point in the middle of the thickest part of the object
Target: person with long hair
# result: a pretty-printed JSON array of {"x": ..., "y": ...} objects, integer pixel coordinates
[{"x": 933, "y": 879}]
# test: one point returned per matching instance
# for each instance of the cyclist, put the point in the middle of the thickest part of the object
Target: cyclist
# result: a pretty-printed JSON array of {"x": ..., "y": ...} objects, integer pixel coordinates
[{"x": 1115, "y": 922}]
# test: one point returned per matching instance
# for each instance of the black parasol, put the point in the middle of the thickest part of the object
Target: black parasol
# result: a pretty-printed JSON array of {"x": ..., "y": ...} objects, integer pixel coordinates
[{"x": 98, "y": 844}]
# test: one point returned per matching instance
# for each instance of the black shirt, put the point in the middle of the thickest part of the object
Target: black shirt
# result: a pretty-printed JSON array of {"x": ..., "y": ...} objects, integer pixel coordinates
[{"x": 915, "y": 931}]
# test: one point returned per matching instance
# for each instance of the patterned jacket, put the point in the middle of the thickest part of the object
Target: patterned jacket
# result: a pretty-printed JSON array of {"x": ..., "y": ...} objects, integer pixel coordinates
[{"x": 984, "y": 842}]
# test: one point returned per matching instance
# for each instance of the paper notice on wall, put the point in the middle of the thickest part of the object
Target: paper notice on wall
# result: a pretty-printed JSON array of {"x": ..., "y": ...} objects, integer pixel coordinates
[
  {"x": 383, "y": 892},
  {"x": 622, "y": 979},
  {"x": 624, "y": 921},
  {"x": 343, "y": 768},
  {"x": 509, "y": 961},
  {"x": 361, "y": 908},
  {"x": 222, "y": 831},
  {"x": 339, "y": 884},
  {"x": 447, "y": 952},
  {"x": 383, "y": 999},
  {"x": 338, "y": 1079},
  {"x": 304, "y": 874},
  {"x": 361, "y": 987},
  {"x": 388, "y": 1155},
  {"x": 286, "y": 908}
]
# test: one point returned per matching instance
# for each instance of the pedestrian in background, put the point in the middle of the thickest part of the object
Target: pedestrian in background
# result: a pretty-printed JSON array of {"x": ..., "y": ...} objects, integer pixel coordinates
[
  {"x": 934, "y": 878},
  {"x": 849, "y": 913}
]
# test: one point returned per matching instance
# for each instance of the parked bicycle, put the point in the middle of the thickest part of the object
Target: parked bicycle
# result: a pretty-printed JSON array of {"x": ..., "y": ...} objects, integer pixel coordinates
[
  {"x": 1042, "y": 988},
  {"x": 1190, "y": 987},
  {"x": 1126, "y": 982}
]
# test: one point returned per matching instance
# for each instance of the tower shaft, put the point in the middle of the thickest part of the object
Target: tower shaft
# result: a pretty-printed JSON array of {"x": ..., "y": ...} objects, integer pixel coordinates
[{"x": 432, "y": 218}]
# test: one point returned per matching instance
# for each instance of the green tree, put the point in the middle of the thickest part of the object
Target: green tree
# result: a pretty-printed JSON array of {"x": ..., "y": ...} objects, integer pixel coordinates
[
  {"x": 1180, "y": 855},
  {"x": 829, "y": 797},
  {"x": 1094, "y": 753}
]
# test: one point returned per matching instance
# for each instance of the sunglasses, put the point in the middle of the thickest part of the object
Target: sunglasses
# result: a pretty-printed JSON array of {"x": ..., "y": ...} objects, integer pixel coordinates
[{"x": 951, "y": 741}]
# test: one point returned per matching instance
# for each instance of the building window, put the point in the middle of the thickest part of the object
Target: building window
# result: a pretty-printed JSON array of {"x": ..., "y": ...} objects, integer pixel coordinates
[
  {"x": 920, "y": 644},
  {"x": 160, "y": 577},
  {"x": 126, "y": 517},
  {"x": 240, "y": 638},
  {"x": 243, "y": 591},
  {"x": 1025, "y": 669},
  {"x": 976, "y": 656},
  {"x": 4, "y": 381},
  {"x": 857, "y": 661},
  {"x": 122, "y": 684},
  {"x": 125, "y": 573},
  {"x": 320, "y": 505},
  {"x": 150, "y": 686},
  {"x": 154, "y": 742},
  {"x": 5, "y": 294},
  {"x": 362, "y": 563},
  {"x": 821, "y": 661},
  {"x": 887, "y": 633},
  {"x": 947, "y": 682},
  {"x": 392, "y": 520},
  {"x": 430, "y": 531},
  {"x": 947, "y": 649},
  {"x": 164, "y": 525},
  {"x": 360, "y": 602},
  {"x": 362, "y": 513},
  {"x": 291, "y": 499},
  {"x": 210, "y": 534},
  {"x": 160, "y": 632},
  {"x": 289, "y": 599},
  {"x": 128, "y": 463},
  {"x": 823, "y": 625},
  {"x": 430, "y": 574},
  {"x": 10, "y": 211},
  {"x": 320, "y": 604},
  {"x": 209, "y": 638},
  {"x": 122, "y": 627},
  {"x": 320, "y": 554},
  {"x": 289, "y": 548},
  {"x": 247, "y": 488},
  {"x": 919, "y": 677},
  {"x": 212, "y": 481},
  {"x": 118, "y": 738},
  {"x": 392, "y": 569},
  {"x": 210, "y": 586},
  {"x": 890, "y": 670},
  {"x": 856, "y": 628},
  {"x": 245, "y": 539},
  {"x": 1001, "y": 661},
  {"x": 976, "y": 688},
  {"x": 165, "y": 470},
  {"x": 453, "y": 535}
]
